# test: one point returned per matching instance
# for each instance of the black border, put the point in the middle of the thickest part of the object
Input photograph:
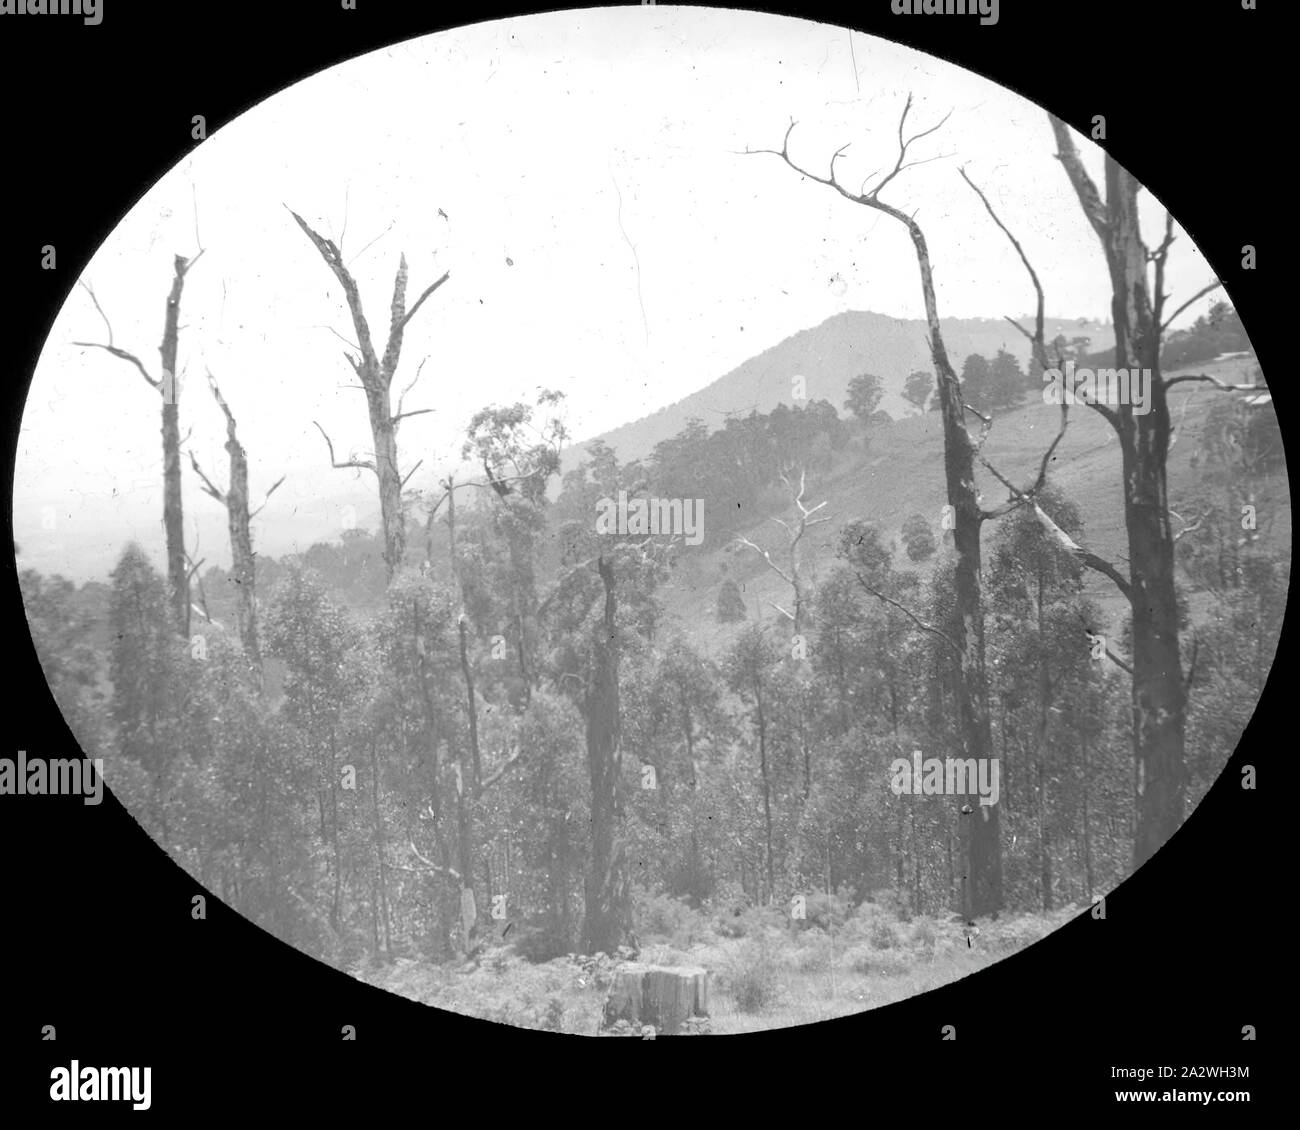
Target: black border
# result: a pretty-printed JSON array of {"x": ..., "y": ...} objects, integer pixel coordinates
[{"x": 95, "y": 934}]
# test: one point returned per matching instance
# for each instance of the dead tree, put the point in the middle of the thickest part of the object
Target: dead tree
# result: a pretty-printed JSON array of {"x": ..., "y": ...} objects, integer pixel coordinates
[
  {"x": 243, "y": 572},
  {"x": 165, "y": 384},
  {"x": 1159, "y": 687},
  {"x": 795, "y": 533},
  {"x": 376, "y": 375},
  {"x": 981, "y": 885}
]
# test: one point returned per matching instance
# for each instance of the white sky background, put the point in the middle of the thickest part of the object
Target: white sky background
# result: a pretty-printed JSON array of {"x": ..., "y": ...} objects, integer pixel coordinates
[{"x": 525, "y": 132}]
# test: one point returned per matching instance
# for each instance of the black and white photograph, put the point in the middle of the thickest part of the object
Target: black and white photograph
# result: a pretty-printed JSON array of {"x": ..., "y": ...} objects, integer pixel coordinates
[{"x": 651, "y": 521}]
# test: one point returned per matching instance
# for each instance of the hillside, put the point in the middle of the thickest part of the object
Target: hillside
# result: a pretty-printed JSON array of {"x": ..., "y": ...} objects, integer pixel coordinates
[
  {"x": 828, "y": 356},
  {"x": 900, "y": 474}
]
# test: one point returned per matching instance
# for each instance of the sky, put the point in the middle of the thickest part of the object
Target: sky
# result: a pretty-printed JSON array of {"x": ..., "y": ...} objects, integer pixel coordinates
[{"x": 582, "y": 177}]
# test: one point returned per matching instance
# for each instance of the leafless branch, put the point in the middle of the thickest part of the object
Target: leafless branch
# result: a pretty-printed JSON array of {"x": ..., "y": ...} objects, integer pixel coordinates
[
  {"x": 1160, "y": 257},
  {"x": 871, "y": 199},
  {"x": 416, "y": 412},
  {"x": 411, "y": 471},
  {"x": 1223, "y": 385},
  {"x": 930, "y": 628},
  {"x": 1188, "y": 528},
  {"x": 402, "y": 395},
  {"x": 1199, "y": 294},
  {"x": 1036, "y": 338},
  {"x": 1084, "y": 186},
  {"x": 492, "y": 778},
  {"x": 1083, "y": 556},
  {"x": 1020, "y": 495},
  {"x": 121, "y": 354},
  {"x": 369, "y": 245},
  {"x": 788, "y": 615},
  {"x": 274, "y": 488},
  {"x": 346, "y": 341},
  {"x": 429, "y": 865},
  {"x": 768, "y": 558},
  {"x": 208, "y": 486},
  {"x": 420, "y": 301},
  {"x": 361, "y": 464}
]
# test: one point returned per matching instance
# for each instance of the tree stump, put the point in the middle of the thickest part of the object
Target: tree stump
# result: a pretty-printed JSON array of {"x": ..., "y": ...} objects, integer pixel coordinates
[{"x": 659, "y": 995}]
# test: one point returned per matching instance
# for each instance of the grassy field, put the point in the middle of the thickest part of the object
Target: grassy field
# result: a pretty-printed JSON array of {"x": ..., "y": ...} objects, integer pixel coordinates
[{"x": 771, "y": 974}]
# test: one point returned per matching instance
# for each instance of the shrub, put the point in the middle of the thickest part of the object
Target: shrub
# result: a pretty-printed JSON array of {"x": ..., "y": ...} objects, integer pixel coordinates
[
  {"x": 540, "y": 944},
  {"x": 883, "y": 935},
  {"x": 897, "y": 904},
  {"x": 553, "y": 1019},
  {"x": 815, "y": 952},
  {"x": 829, "y": 911},
  {"x": 657, "y": 953},
  {"x": 661, "y": 917},
  {"x": 731, "y": 605},
  {"x": 752, "y": 922},
  {"x": 751, "y": 977},
  {"x": 872, "y": 963},
  {"x": 1013, "y": 934},
  {"x": 923, "y": 935}
]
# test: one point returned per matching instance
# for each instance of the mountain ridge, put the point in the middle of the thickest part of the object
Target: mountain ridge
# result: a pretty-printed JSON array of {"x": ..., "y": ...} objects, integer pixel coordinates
[{"x": 827, "y": 356}]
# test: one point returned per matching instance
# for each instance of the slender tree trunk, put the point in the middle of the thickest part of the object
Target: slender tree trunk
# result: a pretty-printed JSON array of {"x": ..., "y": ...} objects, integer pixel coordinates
[
  {"x": 1044, "y": 844},
  {"x": 471, "y": 704},
  {"x": 767, "y": 790},
  {"x": 1044, "y": 701},
  {"x": 243, "y": 573},
  {"x": 173, "y": 517},
  {"x": 383, "y": 432},
  {"x": 465, "y": 858},
  {"x": 1087, "y": 821},
  {"x": 916, "y": 864},
  {"x": 334, "y": 835},
  {"x": 381, "y": 863},
  {"x": 608, "y": 914}
]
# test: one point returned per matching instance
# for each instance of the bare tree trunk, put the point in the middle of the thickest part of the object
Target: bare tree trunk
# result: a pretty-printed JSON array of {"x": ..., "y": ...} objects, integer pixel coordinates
[
  {"x": 608, "y": 916},
  {"x": 465, "y": 858},
  {"x": 916, "y": 864},
  {"x": 1158, "y": 691},
  {"x": 167, "y": 387},
  {"x": 791, "y": 575},
  {"x": 1087, "y": 830},
  {"x": 1044, "y": 702},
  {"x": 376, "y": 376},
  {"x": 1044, "y": 844},
  {"x": 381, "y": 865},
  {"x": 173, "y": 518},
  {"x": 767, "y": 788},
  {"x": 243, "y": 571},
  {"x": 981, "y": 882},
  {"x": 471, "y": 705},
  {"x": 335, "y": 919}
]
